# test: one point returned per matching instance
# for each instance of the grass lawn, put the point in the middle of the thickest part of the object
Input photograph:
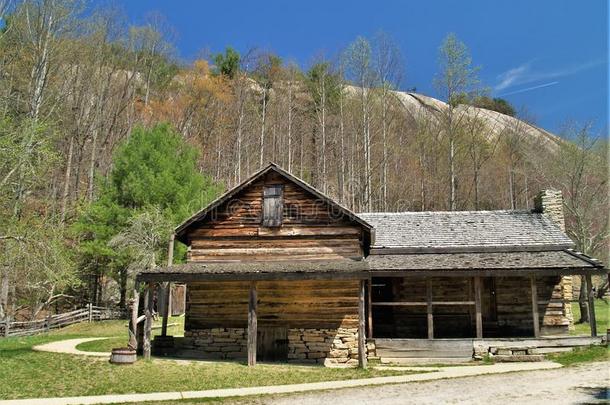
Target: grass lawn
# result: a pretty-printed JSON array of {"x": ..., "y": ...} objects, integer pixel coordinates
[
  {"x": 602, "y": 316},
  {"x": 582, "y": 355},
  {"x": 25, "y": 373}
]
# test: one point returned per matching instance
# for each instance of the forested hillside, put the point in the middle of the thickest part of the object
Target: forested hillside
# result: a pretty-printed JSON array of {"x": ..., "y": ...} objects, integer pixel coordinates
[{"x": 101, "y": 123}]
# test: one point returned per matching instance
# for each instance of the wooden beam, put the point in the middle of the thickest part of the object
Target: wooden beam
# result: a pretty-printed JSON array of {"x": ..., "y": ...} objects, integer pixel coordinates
[
  {"x": 477, "y": 305},
  {"x": 361, "y": 328},
  {"x": 535, "y": 315},
  {"x": 429, "y": 308},
  {"x": 591, "y": 298},
  {"x": 148, "y": 304},
  {"x": 417, "y": 303},
  {"x": 187, "y": 277},
  {"x": 168, "y": 287},
  {"x": 370, "y": 308},
  {"x": 252, "y": 324}
]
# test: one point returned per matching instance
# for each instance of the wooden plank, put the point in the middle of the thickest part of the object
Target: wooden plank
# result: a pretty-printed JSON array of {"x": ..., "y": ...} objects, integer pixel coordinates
[
  {"x": 361, "y": 328},
  {"x": 477, "y": 300},
  {"x": 430, "y": 316},
  {"x": 535, "y": 315},
  {"x": 423, "y": 344},
  {"x": 148, "y": 303},
  {"x": 252, "y": 325},
  {"x": 592, "y": 320}
]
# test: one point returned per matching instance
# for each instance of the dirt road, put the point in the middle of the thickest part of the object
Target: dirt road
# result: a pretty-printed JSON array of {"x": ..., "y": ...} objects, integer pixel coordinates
[{"x": 589, "y": 383}]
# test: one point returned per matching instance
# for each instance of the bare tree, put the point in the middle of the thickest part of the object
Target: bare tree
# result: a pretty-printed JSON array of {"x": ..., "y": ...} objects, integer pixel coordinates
[{"x": 457, "y": 77}]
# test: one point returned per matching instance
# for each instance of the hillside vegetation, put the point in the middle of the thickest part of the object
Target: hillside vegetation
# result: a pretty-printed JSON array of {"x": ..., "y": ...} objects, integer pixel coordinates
[{"x": 107, "y": 141}]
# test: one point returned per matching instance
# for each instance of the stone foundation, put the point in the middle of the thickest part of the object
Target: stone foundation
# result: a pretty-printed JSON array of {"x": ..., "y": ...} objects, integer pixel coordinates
[
  {"x": 218, "y": 343},
  {"x": 532, "y": 349},
  {"x": 330, "y": 347}
]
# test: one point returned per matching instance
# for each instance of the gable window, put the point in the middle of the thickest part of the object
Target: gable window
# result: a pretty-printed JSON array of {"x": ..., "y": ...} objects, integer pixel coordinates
[{"x": 273, "y": 205}]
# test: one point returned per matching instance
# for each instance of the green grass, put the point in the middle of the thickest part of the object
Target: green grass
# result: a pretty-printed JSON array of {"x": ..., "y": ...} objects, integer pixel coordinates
[
  {"x": 602, "y": 316},
  {"x": 25, "y": 373},
  {"x": 582, "y": 355}
]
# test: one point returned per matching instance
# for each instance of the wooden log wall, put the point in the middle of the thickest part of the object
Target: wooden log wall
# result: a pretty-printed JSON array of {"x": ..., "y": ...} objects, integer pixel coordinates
[
  {"x": 291, "y": 304},
  {"x": 310, "y": 229},
  {"x": 514, "y": 304}
]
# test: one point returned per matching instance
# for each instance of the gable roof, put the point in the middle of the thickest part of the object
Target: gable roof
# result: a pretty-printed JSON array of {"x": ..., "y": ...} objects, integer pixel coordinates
[
  {"x": 466, "y": 231},
  {"x": 181, "y": 229}
]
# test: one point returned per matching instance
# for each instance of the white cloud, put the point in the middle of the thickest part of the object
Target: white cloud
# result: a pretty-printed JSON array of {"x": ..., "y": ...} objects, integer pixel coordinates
[
  {"x": 524, "y": 74},
  {"x": 512, "y": 76}
]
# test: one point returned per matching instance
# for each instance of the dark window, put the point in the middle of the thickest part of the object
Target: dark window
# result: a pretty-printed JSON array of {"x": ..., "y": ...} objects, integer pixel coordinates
[{"x": 272, "y": 205}]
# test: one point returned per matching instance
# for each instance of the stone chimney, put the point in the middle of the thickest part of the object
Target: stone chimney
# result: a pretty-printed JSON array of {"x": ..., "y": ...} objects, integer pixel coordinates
[{"x": 550, "y": 203}]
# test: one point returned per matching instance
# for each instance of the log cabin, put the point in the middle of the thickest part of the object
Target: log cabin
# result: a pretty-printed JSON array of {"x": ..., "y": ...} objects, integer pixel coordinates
[{"x": 278, "y": 271}]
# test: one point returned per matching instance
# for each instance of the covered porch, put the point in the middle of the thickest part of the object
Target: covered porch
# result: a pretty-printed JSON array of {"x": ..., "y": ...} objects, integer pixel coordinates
[
  {"x": 303, "y": 312},
  {"x": 463, "y": 304}
]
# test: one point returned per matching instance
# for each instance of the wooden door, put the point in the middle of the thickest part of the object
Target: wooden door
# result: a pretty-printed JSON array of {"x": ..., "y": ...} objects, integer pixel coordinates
[{"x": 272, "y": 344}]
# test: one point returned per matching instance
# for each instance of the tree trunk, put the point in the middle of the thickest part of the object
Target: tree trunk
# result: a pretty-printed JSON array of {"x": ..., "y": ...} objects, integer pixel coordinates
[
  {"x": 4, "y": 288},
  {"x": 66, "y": 192}
]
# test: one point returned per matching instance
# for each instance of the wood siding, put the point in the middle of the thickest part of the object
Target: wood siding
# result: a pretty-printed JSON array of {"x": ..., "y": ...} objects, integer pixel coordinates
[
  {"x": 310, "y": 229},
  {"x": 291, "y": 304}
]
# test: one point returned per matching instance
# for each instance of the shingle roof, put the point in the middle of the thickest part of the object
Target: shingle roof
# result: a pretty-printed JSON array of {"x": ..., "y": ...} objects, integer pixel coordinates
[
  {"x": 482, "y": 261},
  {"x": 466, "y": 230}
]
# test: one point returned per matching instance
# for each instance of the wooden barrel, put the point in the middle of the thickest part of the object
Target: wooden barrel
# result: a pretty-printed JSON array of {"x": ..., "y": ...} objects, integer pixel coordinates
[{"x": 123, "y": 355}]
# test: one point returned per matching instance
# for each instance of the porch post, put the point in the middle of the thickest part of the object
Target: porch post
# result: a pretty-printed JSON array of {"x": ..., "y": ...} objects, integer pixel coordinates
[
  {"x": 148, "y": 304},
  {"x": 477, "y": 304},
  {"x": 252, "y": 302},
  {"x": 361, "y": 328},
  {"x": 429, "y": 306},
  {"x": 591, "y": 298},
  {"x": 370, "y": 309},
  {"x": 168, "y": 287},
  {"x": 535, "y": 316}
]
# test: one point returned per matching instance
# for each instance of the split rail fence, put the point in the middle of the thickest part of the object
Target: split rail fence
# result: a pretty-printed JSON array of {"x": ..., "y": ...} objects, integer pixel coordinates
[{"x": 90, "y": 313}]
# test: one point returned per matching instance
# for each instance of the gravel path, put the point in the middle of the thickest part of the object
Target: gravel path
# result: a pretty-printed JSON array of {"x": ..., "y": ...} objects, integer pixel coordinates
[
  {"x": 68, "y": 346},
  {"x": 589, "y": 383}
]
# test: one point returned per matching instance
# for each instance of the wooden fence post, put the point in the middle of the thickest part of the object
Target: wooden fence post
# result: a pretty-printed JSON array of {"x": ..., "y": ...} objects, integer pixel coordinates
[
  {"x": 90, "y": 309},
  {"x": 47, "y": 323},
  {"x": 7, "y": 324}
]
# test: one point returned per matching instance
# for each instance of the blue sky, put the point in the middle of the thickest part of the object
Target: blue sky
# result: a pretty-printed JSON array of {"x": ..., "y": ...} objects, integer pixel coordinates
[{"x": 550, "y": 57}]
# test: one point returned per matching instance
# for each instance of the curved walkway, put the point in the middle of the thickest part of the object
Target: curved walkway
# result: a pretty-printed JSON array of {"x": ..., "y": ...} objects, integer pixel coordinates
[{"x": 69, "y": 347}]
